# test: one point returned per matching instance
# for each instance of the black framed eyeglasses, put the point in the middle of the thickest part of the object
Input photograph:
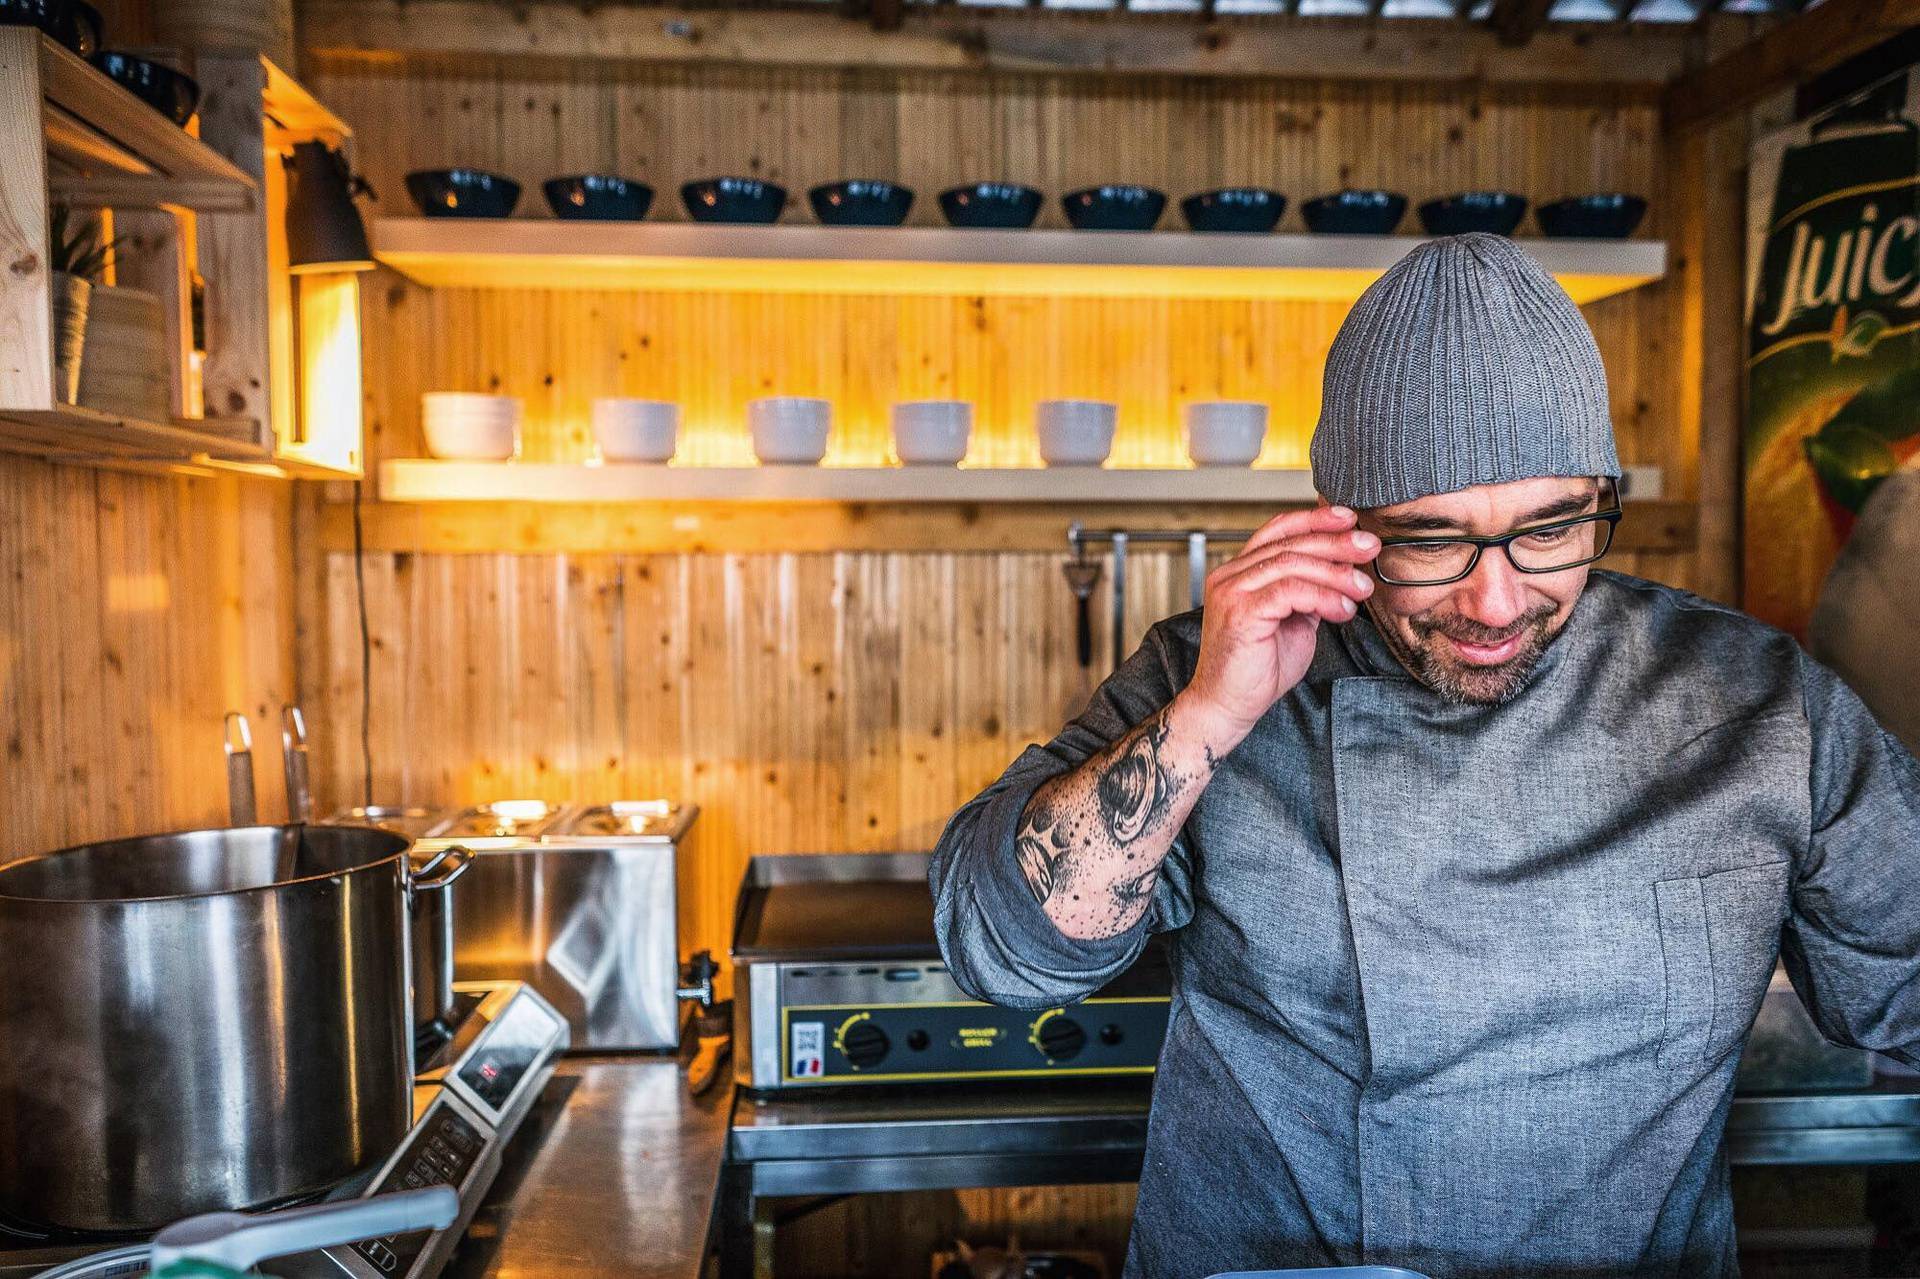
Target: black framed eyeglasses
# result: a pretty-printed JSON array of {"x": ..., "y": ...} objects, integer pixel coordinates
[{"x": 1541, "y": 548}]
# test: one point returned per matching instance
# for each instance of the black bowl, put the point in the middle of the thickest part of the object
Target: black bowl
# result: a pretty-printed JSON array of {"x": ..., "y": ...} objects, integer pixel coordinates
[
  {"x": 861, "y": 202},
  {"x": 69, "y": 22},
  {"x": 1353, "y": 212},
  {"x": 1496, "y": 211},
  {"x": 167, "y": 91},
  {"x": 1247, "y": 209},
  {"x": 598, "y": 197},
  {"x": 1610, "y": 216},
  {"x": 462, "y": 193},
  {"x": 991, "y": 204},
  {"x": 734, "y": 200},
  {"x": 1119, "y": 207}
]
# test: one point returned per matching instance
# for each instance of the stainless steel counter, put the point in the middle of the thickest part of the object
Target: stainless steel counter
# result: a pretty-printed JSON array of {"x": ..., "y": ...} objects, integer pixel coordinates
[
  {"x": 901, "y": 1140},
  {"x": 614, "y": 1173},
  {"x": 1084, "y": 1132}
]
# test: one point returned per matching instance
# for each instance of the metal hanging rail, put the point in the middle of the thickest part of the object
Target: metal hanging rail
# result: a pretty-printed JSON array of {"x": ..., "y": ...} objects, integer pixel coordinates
[{"x": 1079, "y": 537}]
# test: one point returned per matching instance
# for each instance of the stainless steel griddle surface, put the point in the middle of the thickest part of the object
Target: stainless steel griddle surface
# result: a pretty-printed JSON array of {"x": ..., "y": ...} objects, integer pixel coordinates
[{"x": 855, "y": 919}]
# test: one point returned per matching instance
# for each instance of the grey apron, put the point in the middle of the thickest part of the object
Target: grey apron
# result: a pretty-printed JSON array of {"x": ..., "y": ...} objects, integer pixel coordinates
[{"x": 1461, "y": 988}]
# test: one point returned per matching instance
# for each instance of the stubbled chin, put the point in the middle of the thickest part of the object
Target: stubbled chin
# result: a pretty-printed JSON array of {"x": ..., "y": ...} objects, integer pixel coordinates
[{"x": 1485, "y": 685}]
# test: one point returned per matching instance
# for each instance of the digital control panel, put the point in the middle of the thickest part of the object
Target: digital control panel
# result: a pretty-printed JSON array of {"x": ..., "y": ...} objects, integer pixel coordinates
[
  {"x": 521, "y": 1038},
  {"x": 442, "y": 1152},
  {"x": 966, "y": 1040}
]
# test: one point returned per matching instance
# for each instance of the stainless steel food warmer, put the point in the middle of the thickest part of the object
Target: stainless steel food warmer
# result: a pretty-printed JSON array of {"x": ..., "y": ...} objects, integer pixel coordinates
[{"x": 581, "y": 903}]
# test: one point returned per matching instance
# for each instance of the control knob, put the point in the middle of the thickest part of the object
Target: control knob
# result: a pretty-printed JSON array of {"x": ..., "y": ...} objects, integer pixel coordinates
[
  {"x": 1058, "y": 1037},
  {"x": 863, "y": 1044}
]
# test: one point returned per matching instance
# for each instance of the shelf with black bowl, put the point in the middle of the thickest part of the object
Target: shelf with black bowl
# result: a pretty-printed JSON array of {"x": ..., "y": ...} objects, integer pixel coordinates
[
  {"x": 103, "y": 145},
  {"x": 546, "y": 253},
  {"x": 73, "y": 138}
]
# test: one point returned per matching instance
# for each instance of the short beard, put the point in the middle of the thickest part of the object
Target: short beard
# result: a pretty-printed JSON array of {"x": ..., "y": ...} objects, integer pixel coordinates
[{"x": 1465, "y": 685}]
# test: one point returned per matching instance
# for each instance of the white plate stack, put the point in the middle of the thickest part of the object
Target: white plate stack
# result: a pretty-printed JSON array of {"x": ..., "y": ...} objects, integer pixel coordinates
[{"x": 471, "y": 428}]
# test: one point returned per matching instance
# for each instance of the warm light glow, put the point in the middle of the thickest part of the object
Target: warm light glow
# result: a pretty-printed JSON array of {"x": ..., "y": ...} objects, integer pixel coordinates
[
  {"x": 519, "y": 810},
  {"x": 138, "y": 593},
  {"x": 330, "y": 412},
  {"x": 455, "y": 269}
]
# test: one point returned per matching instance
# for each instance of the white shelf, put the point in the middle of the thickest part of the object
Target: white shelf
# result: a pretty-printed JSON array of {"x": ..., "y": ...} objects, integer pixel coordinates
[
  {"x": 424, "y": 480},
  {"x": 547, "y": 253}
]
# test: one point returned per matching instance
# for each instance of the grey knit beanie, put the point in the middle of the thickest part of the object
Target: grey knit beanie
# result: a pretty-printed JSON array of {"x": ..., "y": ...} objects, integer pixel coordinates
[{"x": 1466, "y": 363}]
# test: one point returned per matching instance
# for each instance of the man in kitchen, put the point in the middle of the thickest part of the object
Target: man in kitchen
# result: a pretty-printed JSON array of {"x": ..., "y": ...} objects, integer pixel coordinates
[{"x": 1475, "y": 858}]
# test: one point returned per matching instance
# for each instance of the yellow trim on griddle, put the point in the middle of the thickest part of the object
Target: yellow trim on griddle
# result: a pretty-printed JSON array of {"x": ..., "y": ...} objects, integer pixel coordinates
[{"x": 1054, "y": 1072}]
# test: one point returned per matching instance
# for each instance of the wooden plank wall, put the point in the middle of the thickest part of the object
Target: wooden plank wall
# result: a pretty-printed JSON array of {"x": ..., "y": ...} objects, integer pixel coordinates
[
  {"x": 851, "y": 699},
  {"x": 507, "y": 630},
  {"x": 713, "y": 353},
  {"x": 135, "y": 611}
]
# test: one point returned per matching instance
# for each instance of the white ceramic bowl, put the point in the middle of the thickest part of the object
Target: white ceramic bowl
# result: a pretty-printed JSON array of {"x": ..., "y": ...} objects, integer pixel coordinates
[
  {"x": 473, "y": 428},
  {"x": 449, "y": 404},
  {"x": 932, "y": 432},
  {"x": 1076, "y": 432},
  {"x": 789, "y": 430},
  {"x": 636, "y": 430},
  {"x": 1225, "y": 432}
]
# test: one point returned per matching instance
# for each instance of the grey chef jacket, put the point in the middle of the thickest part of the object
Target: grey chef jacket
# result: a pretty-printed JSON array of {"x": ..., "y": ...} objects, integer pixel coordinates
[{"x": 1463, "y": 988}]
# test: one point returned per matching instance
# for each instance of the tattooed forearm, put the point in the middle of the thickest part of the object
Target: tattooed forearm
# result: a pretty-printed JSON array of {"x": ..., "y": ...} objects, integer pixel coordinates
[
  {"x": 1139, "y": 888},
  {"x": 1133, "y": 788},
  {"x": 1093, "y": 840},
  {"x": 1041, "y": 844}
]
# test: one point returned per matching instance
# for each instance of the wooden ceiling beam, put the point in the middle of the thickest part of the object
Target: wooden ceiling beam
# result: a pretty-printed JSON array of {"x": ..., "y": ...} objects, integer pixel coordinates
[
  {"x": 1794, "y": 51},
  {"x": 958, "y": 37},
  {"x": 1516, "y": 22}
]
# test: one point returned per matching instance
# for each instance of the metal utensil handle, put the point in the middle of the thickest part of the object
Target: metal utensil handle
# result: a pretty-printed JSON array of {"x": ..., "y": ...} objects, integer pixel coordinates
[
  {"x": 241, "y": 809},
  {"x": 293, "y": 754},
  {"x": 1119, "y": 599},
  {"x": 430, "y": 877},
  {"x": 239, "y": 1241},
  {"x": 1197, "y": 567}
]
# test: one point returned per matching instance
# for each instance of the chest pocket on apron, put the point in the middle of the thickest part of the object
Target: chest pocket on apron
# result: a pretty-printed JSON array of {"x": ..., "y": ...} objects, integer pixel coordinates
[{"x": 1719, "y": 939}]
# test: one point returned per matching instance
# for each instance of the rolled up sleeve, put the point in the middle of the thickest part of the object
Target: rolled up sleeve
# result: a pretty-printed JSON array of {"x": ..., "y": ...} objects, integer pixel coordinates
[
  {"x": 996, "y": 938},
  {"x": 1852, "y": 942}
]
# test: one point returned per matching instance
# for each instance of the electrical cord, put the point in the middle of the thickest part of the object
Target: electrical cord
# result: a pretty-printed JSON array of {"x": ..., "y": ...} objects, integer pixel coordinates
[{"x": 366, "y": 654}]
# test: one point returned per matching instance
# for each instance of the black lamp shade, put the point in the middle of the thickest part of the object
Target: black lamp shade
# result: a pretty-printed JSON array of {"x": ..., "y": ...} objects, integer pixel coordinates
[{"x": 324, "y": 230}]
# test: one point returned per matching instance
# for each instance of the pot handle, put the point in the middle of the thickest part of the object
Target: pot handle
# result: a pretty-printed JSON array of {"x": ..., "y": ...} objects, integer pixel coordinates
[
  {"x": 238, "y": 1241},
  {"x": 440, "y": 870}
]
